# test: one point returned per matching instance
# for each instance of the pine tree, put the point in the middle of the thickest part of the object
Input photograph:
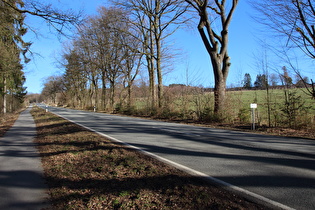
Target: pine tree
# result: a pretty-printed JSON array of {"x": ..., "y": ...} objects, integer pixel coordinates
[
  {"x": 11, "y": 47},
  {"x": 247, "y": 82},
  {"x": 261, "y": 81}
]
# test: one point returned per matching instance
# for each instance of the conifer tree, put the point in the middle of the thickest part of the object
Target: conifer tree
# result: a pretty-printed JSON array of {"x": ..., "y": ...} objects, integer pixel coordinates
[{"x": 11, "y": 47}]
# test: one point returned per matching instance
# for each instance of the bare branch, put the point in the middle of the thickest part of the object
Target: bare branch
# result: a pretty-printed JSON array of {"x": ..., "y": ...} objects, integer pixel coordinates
[
  {"x": 57, "y": 19},
  {"x": 294, "y": 19}
]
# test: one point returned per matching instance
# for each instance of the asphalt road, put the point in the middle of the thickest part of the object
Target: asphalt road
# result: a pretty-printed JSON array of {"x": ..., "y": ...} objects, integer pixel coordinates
[{"x": 277, "y": 168}]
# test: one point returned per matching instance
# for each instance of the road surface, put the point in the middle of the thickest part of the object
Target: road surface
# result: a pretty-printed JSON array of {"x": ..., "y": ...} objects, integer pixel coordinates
[{"x": 277, "y": 168}]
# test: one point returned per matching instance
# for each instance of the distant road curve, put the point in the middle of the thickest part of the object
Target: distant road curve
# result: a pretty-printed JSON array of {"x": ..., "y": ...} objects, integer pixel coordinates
[{"x": 277, "y": 168}]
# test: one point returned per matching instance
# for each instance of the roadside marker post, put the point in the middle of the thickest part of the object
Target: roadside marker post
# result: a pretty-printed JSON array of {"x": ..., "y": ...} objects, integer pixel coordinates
[
  {"x": 46, "y": 108},
  {"x": 253, "y": 107}
]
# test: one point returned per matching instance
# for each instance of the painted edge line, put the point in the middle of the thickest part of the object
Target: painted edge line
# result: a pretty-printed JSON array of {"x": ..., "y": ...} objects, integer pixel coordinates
[{"x": 237, "y": 190}]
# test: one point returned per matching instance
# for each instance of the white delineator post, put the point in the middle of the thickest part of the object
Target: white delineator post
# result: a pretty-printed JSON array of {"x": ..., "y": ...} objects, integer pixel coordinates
[{"x": 253, "y": 107}]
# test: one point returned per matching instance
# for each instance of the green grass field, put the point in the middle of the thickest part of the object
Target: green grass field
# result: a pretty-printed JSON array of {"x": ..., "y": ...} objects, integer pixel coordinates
[
  {"x": 300, "y": 104},
  {"x": 197, "y": 105},
  {"x": 276, "y": 95}
]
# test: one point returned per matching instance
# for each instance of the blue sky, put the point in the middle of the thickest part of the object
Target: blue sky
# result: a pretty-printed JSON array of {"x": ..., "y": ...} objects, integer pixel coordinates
[{"x": 193, "y": 60}]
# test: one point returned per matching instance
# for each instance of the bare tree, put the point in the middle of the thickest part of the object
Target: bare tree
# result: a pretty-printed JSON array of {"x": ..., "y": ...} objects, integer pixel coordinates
[
  {"x": 154, "y": 19},
  {"x": 86, "y": 51},
  {"x": 262, "y": 64},
  {"x": 131, "y": 63},
  {"x": 216, "y": 42},
  {"x": 52, "y": 86},
  {"x": 110, "y": 28},
  {"x": 293, "y": 19},
  {"x": 107, "y": 53},
  {"x": 309, "y": 87}
]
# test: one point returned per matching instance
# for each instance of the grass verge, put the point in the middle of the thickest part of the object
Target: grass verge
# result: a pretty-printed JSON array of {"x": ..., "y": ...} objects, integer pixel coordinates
[{"x": 86, "y": 171}]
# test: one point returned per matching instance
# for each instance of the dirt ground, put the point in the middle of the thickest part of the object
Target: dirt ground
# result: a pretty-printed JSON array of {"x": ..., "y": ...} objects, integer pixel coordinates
[{"x": 6, "y": 122}]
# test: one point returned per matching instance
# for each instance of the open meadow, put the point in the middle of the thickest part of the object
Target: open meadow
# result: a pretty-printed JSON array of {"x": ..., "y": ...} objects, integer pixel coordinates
[{"x": 276, "y": 109}]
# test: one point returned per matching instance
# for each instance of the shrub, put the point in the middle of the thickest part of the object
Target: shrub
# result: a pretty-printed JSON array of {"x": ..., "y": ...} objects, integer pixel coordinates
[{"x": 244, "y": 115}]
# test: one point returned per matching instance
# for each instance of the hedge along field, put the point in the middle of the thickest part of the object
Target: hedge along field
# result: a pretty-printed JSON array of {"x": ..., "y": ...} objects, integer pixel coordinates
[{"x": 188, "y": 103}]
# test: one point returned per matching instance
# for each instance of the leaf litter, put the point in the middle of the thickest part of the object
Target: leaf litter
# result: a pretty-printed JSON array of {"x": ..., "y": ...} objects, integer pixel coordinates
[{"x": 87, "y": 171}]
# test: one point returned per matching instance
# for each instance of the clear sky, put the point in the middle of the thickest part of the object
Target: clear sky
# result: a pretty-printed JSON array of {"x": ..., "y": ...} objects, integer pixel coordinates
[{"x": 192, "y": 66}]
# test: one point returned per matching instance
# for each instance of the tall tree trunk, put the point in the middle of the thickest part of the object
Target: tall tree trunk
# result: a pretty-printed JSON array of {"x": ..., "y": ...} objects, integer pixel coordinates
[
  {"x": 220, "y": 75},
  {"x": 112, "y": 94},
  {"x": 5, "y": 95},
  {"x": 94, "y": 91},
  {"x": 103, "y": 98},
  {"x": 159, "y": 73},
  {"x": 157, "y": 35},
  {"x": 152, "y": 83},
  {"x": 129, "y": 97},
  {"x": 151, "y": 70},
  {"x": 219, "y": 96}
]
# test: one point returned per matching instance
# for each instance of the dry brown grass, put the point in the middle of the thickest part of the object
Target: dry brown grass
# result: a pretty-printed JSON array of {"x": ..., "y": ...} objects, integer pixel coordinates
[
  {"x": 86, "y": 171},
  {"x": 7, "y": 121}
]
